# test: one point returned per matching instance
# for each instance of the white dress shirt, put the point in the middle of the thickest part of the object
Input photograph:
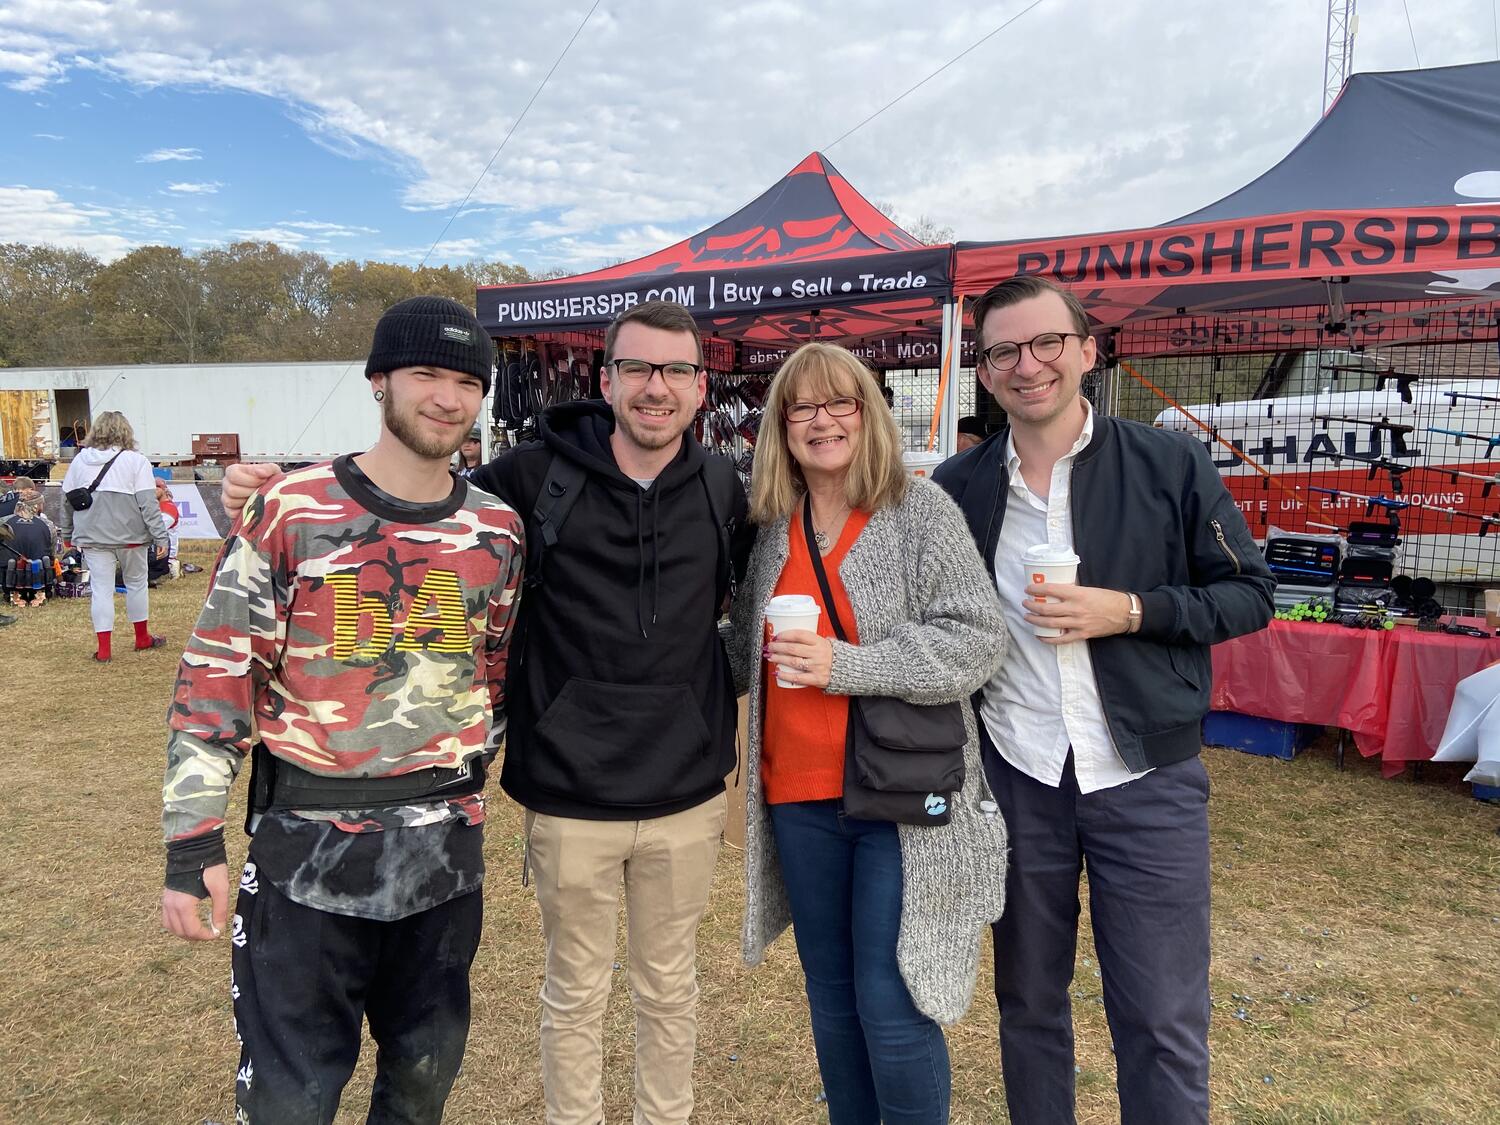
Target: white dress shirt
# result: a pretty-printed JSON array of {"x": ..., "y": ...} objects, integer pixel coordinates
[{"x": 1044, "y": 698}]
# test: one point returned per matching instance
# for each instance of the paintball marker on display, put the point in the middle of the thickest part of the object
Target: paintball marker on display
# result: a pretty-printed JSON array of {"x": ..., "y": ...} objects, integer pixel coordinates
[
  {"x": 1393, "y": 506},
  {"x": 1404, "y": 379},
  {"x": 1454, "y": 396},
  {"x": 1371, "y": 502},
  {"x": 1397, "y": 430},
  {"x": 1397, "y": 469},
  {"x": 1459, "y": 435},
  {"x": 1454, "y": 474},
  {"x": 1485, "y": 522}
]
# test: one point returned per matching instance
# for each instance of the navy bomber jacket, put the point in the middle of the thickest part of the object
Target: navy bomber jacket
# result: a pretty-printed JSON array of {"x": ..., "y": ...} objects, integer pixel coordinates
[{"x": 1151, "y": 516}]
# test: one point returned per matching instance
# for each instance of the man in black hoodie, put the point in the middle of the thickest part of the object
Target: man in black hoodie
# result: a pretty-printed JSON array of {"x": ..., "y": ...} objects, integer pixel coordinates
[{"x": 621, "y": 708}]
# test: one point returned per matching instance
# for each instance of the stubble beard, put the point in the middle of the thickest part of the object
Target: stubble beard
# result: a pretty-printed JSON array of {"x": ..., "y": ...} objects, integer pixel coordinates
[
  {"x": 405, "y": 429},
  {"x": 650, "y": 440}
]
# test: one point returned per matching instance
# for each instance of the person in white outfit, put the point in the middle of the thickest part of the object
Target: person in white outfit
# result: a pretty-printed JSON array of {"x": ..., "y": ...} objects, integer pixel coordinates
[{"x": 120, "y": 523}]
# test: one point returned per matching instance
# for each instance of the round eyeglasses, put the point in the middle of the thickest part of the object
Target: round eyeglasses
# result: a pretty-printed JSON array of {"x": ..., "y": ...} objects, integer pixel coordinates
[
  {"x": 677, "y": 374},
  {"x": 840, "y": 407},
  {"x": 1044, "y": 349}
]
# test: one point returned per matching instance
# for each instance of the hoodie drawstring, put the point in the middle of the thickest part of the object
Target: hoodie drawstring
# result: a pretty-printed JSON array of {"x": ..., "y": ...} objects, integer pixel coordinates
[
  {"x": 640, "y": 555},
  {"x": 640, "y": 550},
  {"x": 655, "y": 561}
]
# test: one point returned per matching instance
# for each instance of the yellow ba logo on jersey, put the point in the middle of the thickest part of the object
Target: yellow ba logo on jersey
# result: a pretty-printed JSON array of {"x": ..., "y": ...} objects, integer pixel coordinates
[{"x": 437, "y": 621}]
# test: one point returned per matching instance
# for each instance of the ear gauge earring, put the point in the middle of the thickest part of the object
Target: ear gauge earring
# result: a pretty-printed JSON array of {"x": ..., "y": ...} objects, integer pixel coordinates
[{"x": 379, "y": 396}]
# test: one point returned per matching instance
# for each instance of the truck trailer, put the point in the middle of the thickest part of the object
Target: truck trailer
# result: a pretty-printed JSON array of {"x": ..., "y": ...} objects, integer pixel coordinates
[{"x": 198, "y": 413}]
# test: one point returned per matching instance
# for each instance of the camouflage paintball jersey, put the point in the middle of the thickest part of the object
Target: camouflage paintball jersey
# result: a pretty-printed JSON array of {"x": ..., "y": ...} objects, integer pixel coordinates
[{"x": 355, "y": 635}]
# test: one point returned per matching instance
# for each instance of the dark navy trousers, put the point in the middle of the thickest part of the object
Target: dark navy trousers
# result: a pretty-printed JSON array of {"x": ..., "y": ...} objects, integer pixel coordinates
[{"x": 1145, "y": 845}]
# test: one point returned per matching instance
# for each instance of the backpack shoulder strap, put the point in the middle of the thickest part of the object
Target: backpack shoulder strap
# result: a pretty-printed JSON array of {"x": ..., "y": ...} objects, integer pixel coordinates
[
  {"x": 554, "y": 500},
  {"x": 720, "y": 477},
  {"x": 721, "y": 481}
]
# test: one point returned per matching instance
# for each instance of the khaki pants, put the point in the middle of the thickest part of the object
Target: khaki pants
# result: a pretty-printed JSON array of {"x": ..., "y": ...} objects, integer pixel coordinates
[{"x": 667, "y": 865}]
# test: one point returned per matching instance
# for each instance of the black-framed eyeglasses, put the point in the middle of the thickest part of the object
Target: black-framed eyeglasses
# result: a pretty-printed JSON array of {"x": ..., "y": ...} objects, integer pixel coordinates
[
  {"x": 1044, "y": 349},
  {"x": 678, "y": 373},
  {"x": 840, "y": 407}
]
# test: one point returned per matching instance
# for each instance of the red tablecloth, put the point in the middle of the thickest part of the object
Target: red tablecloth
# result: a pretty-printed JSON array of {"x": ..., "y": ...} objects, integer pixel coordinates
[{"x": 1391, "y": 688}]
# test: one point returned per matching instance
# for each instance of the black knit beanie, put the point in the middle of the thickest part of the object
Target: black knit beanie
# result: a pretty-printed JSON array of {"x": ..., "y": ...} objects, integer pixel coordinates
[{"x": 431, "y": 332}]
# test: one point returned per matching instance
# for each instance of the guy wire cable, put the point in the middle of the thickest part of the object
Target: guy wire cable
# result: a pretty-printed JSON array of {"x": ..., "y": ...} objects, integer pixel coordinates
[
  {"x": 978, "y": 42},
  {"x": 467, "y": 196}
]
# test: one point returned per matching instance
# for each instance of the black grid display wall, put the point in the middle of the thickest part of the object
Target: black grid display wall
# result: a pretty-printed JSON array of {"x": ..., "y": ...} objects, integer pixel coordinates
[{"x": 1313, "y": 440}]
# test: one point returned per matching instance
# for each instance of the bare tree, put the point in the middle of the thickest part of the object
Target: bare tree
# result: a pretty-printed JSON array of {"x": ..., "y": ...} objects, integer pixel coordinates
[{"x": 923, "y": 228}]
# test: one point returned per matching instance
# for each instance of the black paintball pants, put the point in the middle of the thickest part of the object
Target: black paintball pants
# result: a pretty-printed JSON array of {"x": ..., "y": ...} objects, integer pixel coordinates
[{"x": 305, "y": 979}]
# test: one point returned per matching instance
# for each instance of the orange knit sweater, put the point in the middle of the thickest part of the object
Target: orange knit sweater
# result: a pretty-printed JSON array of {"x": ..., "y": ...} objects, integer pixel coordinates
[{"x": 802, "y": 743}]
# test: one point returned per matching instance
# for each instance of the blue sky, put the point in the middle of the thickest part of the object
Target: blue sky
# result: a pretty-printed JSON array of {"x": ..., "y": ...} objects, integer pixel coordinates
[
  {"x": 202, "y": 166},
  {"x": 356, "y": 131}
]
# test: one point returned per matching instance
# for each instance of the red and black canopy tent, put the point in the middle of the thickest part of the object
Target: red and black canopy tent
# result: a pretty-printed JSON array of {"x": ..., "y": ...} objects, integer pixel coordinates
[
  {"x": 809, "y": 258},
  {"x": 1382, "y": 225},
  {"x": 1380, "y": 229}
]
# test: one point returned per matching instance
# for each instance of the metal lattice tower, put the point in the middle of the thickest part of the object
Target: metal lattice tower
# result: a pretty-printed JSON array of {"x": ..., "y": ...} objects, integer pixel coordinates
[{"x": 1338, "y": 60}]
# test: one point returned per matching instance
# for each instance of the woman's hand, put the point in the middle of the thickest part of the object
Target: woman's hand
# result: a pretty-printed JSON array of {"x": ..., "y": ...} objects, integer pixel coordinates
[{"x": 801, "y": 657}]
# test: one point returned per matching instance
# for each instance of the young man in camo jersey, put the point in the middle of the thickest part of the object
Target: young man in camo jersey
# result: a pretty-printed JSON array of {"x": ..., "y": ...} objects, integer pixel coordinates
[{"x": 354, "y": 642}]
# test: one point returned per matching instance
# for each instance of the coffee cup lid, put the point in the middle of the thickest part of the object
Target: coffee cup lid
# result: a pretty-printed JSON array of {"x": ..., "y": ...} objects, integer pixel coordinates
[
  {"x": 1048, "y": 554},
  {"x": 792, "y": 603}
]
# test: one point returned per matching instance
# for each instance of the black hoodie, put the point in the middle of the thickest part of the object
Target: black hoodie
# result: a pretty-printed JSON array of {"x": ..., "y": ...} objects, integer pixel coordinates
[{"x": 620, "y": 704}]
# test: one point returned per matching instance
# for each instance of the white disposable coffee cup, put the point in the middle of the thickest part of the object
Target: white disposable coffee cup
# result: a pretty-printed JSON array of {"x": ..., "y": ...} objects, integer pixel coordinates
[
  {"x": 1047, "y": 565},
  {"x": 791, "y": 611}
]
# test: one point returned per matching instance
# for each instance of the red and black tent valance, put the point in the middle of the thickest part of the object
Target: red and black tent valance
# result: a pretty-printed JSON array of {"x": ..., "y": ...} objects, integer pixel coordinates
[
  {"x": 1392, "y": 199},
  {"x": 810, "y": 258}
]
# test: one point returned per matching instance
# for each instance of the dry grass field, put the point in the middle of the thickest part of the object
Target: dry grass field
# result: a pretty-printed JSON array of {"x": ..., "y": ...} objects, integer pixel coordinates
[{"x": 1356, "y": 932}]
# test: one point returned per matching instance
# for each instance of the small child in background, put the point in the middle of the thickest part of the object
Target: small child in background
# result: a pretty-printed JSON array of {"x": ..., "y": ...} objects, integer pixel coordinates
[
  {"x": 26, "y": 557},
  {"x": 164, "y": 567}
]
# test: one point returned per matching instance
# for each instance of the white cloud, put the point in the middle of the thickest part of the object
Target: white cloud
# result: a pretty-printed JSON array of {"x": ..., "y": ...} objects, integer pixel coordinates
[
  {"x": 34, "y": 216},
  {"x": 164, "y": 154},
  {"x": 281, "y": 235},
  {"x": 210, "y": 188},
  {"x": 329, "y": 230},
  {"x": 591, "y": 253},
  {"x": 305, "y": 234},
  {"x": 49, "y": 136},
  {"x": 447, "y": 250},
  {"x": 1075, "y": 118}
]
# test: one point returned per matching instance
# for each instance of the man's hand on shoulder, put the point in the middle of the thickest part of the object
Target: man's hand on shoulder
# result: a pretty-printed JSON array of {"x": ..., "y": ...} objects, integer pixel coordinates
[
  {"x": 179, "y": 911},
  {"x": 241, "y": 482},
  {"x": 1081, "y": 612}
]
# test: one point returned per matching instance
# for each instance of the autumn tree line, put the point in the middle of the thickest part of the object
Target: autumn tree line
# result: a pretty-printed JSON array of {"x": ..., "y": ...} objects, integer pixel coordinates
[
  {"x": 248, "y": 302},
  {"x": 245, "y": 302}
]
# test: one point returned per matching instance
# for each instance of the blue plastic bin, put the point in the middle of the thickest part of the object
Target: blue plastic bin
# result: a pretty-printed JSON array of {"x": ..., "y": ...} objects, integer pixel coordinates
[{"x": 1270, "y": 738}]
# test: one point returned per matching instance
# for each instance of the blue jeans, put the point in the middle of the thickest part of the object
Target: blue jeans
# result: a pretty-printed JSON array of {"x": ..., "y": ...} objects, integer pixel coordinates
[{"x": 881, "y": 1059}]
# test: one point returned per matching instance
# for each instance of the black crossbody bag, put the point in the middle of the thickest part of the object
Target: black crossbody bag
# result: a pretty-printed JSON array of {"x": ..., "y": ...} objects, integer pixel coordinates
[
  {"x": 902, "y": 761},
  {"x": 82, "y": 499}
]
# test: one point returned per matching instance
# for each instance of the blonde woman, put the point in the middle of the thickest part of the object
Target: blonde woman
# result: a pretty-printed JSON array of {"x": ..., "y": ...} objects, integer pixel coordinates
[
  {"x": 114, "y": 531},
  {"x": 888, "y": 918}
]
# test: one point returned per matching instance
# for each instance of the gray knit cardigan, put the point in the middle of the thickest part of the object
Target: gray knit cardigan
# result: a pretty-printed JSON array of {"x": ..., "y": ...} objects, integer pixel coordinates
[{"x": 930, "y": 631}]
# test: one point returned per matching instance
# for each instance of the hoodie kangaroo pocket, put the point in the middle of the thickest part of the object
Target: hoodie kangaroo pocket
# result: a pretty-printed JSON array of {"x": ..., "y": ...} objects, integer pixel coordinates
[{"x": 622, "y": 744}]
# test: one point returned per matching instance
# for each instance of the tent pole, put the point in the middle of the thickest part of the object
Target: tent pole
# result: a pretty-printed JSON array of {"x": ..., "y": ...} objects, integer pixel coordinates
[{"x": 941, "y": 435}]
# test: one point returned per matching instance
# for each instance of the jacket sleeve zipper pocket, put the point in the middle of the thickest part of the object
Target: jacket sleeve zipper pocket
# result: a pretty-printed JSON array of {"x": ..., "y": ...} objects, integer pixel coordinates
[{"x": 1224, "y": 544}]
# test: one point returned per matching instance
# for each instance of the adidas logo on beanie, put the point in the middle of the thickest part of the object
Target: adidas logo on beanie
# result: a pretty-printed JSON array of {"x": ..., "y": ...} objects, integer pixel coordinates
[{"x": 431, "y": 332}]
